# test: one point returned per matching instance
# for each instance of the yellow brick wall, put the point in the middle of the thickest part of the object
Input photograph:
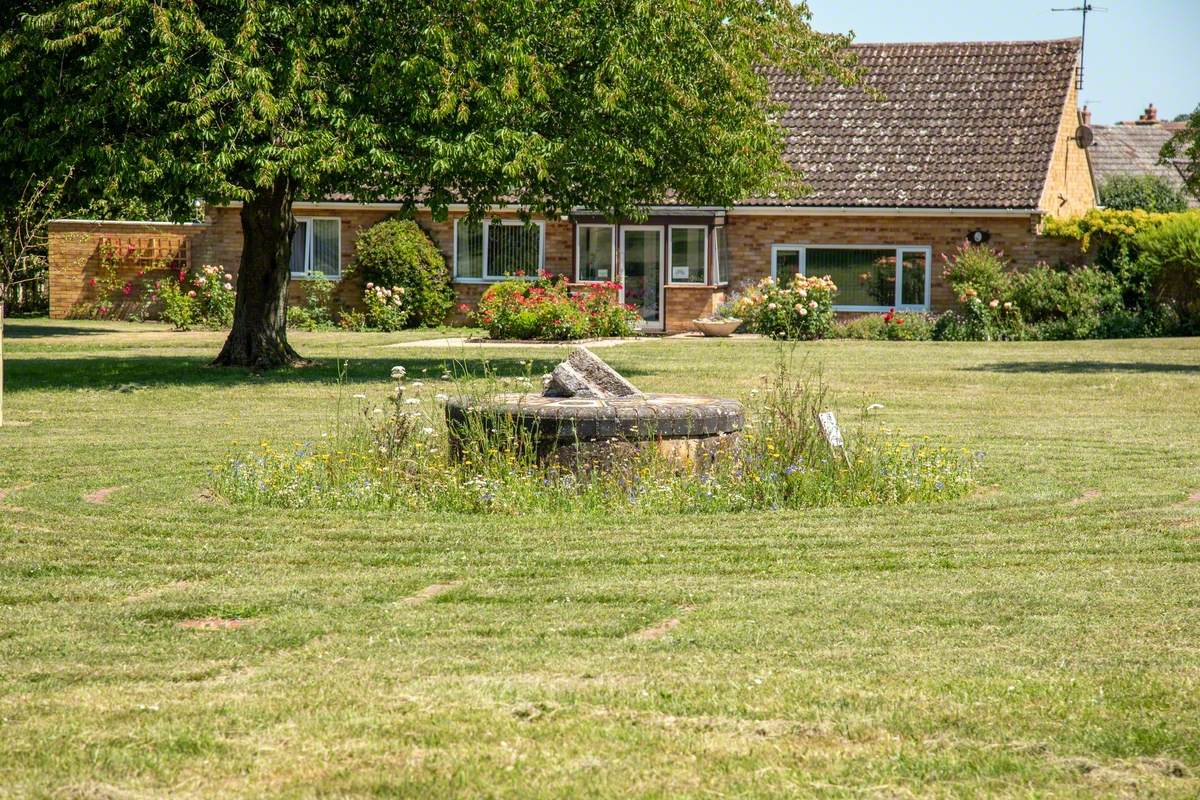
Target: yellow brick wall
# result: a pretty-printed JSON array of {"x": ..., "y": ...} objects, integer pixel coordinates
[
  {"x": 751, "y": 236},
  {"x": 1069, "y": 189},
  {"x": 73, "y": 249},
  {"x": 74, "y": 256}
]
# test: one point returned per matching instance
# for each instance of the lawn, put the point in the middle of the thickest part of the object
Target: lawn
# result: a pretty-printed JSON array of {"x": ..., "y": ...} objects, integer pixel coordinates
[{"x": 1038, "y": 638}]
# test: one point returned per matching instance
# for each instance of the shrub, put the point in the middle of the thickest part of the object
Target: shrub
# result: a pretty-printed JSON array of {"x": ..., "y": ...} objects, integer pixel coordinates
[
  {"x": 315, "y": 311},
  {"x": 803, "y": 309},
  {"x": 545, "y": 309},
  {"x": 386, "y": 309},
  {"x": 397, "y": 253},
  {"x": 1169, "y": 257},
  {"x": 205, "y": 299},
  {"x": 1065, "y": 303},
  {"x": 178, "y": 307},
  {"x": 977, "y": 271},
  {"x": 978, "y": 321},
  {"x": 1146, "y": 192},
  {"x": 351, "y": 320},
  {"x": 896, "y": 326}
]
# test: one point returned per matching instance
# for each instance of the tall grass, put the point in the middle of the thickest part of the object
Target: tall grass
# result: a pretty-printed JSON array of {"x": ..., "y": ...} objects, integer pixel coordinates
[{"x": 396, "y": 455}]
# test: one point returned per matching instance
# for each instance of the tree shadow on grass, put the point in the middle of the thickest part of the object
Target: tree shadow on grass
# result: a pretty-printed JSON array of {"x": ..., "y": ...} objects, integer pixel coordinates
[
  {"x": 106, "y": 373},
  {"x": 36, "y": 328},
  {"x": 1083, "y": 367}
]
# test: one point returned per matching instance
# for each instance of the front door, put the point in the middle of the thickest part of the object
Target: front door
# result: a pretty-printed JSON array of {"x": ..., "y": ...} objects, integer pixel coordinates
[{"x": 642, "y": 262}]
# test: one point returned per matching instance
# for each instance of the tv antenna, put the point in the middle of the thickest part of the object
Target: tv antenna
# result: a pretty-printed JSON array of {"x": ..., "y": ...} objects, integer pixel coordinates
[{"x": 1084, "y": 10}]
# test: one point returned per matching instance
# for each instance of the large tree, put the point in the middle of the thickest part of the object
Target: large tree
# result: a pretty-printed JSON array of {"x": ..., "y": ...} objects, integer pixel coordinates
[
  {"x": 550, "y": 104},
  {"x": 1183, "y": 151}
]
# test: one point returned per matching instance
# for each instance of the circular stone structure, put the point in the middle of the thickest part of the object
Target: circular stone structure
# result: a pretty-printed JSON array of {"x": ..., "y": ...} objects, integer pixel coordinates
[{"x": 596, "y": 432}]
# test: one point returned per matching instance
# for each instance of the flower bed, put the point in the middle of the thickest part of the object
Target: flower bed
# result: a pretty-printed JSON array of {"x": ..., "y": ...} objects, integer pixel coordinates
[
  {"x": 548, "y": 309},
  {"x": 801, "y": 309}
]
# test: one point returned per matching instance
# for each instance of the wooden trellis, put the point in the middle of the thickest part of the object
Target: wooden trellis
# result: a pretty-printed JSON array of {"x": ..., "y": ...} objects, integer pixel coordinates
[{"x": 172, "y": 251}]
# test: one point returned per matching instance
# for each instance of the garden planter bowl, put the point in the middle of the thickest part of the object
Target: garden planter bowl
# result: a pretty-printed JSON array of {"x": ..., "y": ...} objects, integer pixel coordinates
[{"x": 717, "y": 327}]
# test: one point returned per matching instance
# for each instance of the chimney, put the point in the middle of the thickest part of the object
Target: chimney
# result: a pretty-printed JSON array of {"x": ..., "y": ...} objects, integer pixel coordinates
[
  {"x": 1087, "y": 116},
  {"x": 1150, "y": 117}
]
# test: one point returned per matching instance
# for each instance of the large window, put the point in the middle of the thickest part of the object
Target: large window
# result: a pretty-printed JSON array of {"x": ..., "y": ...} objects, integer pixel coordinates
[
  {"x": 317, "y": 247},
  {"x": 595, "y": 253},
  {"x": 688, "y": 254},
  {"x": 721, "y": 268},
  {"x": 497, "y": 248},
  {"x": 869, "y": 278}
]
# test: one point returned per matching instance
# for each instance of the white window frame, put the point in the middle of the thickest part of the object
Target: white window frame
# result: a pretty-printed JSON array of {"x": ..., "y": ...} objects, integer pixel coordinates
[
  {"x": 614, "y": 268},
  {"x": 716, "y": 257},
  {"x": 663, "y": 243},
  {"x": 487, "y": 224},
  {"x": 670, "y": 278},
  {"x": 899, "y": 250},
  {"x": 308, "y": 246}
]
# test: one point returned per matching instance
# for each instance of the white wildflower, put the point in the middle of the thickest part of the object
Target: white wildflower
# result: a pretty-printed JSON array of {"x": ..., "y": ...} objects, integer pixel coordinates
[{"x": 398, "y": 373}]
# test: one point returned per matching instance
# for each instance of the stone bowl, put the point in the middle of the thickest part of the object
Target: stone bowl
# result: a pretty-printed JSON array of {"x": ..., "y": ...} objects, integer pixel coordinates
[
  {"x": 717, "y": 327},
  {"x": 585, "y": 433}
]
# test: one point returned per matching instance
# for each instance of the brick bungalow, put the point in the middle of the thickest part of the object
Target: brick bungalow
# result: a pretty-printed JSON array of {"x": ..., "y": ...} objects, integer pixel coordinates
[{"x": 968, "y": 140}]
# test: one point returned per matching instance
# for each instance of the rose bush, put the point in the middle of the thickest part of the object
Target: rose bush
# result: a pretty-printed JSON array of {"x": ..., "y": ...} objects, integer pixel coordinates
[
  {"x": 548, "y": 309},
  {"x": 202, "y": 299},
  {"x": 386, "y": 309},
  {"x": 802, "y": 309}
]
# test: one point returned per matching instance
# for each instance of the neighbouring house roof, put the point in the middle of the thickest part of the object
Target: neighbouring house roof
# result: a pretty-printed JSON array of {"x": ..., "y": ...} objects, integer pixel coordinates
[
  {"x": 959, "y": 125},
  {"x": 1133, "y": 150}
]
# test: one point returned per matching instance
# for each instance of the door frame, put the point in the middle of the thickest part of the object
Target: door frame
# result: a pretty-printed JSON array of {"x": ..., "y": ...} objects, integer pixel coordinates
[{"x": 660, "y": 324}]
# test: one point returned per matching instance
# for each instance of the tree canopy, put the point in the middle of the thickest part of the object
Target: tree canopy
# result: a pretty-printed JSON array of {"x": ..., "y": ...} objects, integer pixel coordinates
[
  {"x": 1183, "y": 150},
  {"x": 549, "y": 104}
]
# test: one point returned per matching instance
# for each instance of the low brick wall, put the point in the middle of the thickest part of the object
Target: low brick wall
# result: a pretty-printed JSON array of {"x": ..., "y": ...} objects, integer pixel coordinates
[{"x": 75, "y": 256}]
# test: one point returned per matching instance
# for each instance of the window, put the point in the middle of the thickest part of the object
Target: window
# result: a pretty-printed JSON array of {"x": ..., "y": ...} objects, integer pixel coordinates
[
  {"x": 868, "y": 278},
  {"x": 497, "y": 248},
  {"x": 594, "y": 252},
  {"x": 688, "y": 254},
  {"x": 721, "y": 268},
  {"x": 317, "y": 247}
]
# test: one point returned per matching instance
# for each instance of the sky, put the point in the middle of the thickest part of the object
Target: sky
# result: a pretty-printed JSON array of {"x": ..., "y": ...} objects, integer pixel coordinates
[{"x": 1137, "y": 51}]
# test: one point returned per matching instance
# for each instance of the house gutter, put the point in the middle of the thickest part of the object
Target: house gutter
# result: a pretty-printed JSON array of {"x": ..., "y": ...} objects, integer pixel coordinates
[
  {"x": 799, "y": 211},
  {"x": 863, "y": 211}
]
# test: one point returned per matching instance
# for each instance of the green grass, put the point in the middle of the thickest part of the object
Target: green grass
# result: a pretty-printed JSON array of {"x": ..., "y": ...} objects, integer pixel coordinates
[{"x": 1033, "y": 639}]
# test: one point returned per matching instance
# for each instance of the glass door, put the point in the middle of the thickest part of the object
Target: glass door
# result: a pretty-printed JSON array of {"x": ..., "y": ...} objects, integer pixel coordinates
[{"x": 642, "y": 263}]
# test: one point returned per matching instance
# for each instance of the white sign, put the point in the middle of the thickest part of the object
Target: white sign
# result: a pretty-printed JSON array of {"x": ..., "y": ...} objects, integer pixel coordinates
[
  {"x": 830, "y": 429},
  {"x": 679, "y": 273}
]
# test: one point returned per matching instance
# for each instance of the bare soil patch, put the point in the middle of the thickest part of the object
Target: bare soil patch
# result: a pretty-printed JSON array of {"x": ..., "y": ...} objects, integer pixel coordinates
[
  {"x": 1086, "y": 497},
  {"x": 660, "y": 629},
  {"x": 429, "y": 592},
  {"x": 100, "y": 495},
  {"x": 216, "y": 624}
]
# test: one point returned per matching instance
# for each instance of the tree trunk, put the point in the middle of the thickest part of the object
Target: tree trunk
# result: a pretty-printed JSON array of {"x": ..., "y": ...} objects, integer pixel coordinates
[
  {"x": 2, "y": 296},
  {"x": 258, "y": 339}
]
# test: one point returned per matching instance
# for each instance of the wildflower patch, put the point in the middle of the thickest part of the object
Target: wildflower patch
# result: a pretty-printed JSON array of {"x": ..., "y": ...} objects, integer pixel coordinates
[{"x": 397, "y": 455}]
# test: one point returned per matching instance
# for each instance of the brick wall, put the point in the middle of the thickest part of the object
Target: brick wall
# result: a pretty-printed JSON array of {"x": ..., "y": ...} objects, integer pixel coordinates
[
  {"x": 1069, "y": 189},
  {"x": 218, "y": 240},
  {"x": 74, "y": 248},
  {"x": 750, "y": 238},
  {"x": 686, "y": 303}
]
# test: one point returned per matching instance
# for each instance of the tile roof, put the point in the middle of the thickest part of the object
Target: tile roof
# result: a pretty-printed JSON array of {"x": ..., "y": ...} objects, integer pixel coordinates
[
  {"x": 1133, "y": 150},
  {"x": 960, "y": 125}
]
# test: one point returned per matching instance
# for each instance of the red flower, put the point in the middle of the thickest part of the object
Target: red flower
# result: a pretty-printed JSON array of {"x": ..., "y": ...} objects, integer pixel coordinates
[
  {"x": 92, "y": 282},
  {"x": 464, "y": 308},
  {"x": 127, "y": 289},
  {"x": 182, "y": 275},
  {"x": 890, "y": 315}
]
